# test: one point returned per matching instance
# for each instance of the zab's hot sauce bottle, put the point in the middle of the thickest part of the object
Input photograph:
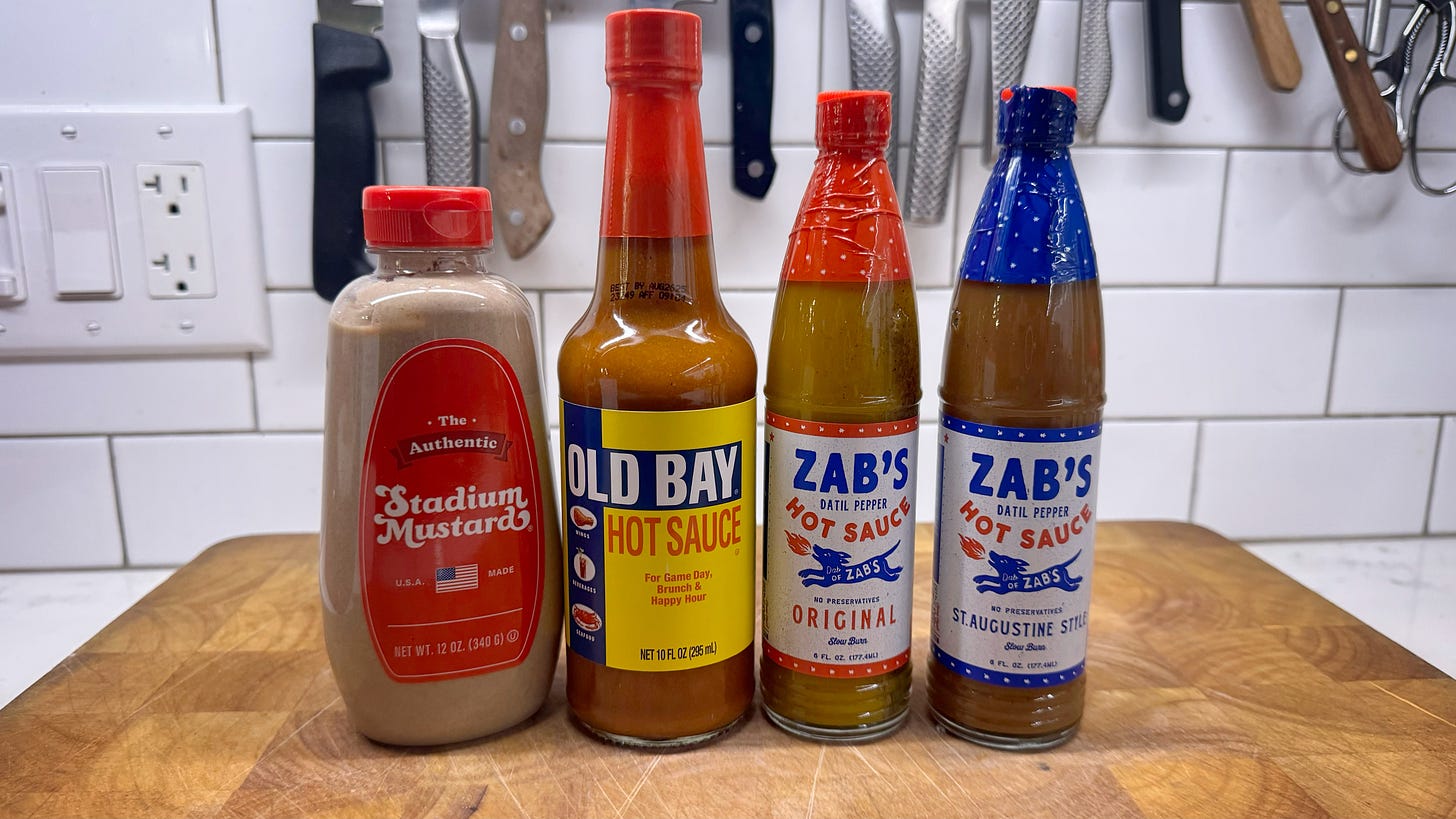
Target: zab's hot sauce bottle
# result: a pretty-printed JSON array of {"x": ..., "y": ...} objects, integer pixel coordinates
[
  {"x": 658, "y": 425},
  {"x": 843, "y": 395},
  {"x": 1021, "y": 413}
]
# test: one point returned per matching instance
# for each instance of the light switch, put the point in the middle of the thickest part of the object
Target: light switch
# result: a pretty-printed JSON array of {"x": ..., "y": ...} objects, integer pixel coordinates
[
  {"x": 12, "y": 275},
  {"x": 82, "y": 239}
]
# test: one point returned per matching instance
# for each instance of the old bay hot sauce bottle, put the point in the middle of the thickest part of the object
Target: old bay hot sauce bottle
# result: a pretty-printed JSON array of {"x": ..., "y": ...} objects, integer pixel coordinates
[
  {"x": 658, "y": 425},
  {"x": 842, "y": 396},
  {"x": 1021, "y": 412},
  {"x": 440, "y": 564}
]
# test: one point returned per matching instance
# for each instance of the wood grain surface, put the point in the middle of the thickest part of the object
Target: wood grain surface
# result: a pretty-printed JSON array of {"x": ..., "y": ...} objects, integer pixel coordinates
[{"x": 1217, "y": 687}]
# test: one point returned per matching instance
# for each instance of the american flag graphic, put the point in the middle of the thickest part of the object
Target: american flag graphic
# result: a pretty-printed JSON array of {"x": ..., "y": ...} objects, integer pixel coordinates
[{"x": 457, "y": 578}]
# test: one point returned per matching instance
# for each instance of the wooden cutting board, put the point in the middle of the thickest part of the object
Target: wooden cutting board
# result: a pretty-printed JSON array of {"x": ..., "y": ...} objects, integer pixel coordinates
[{"x": 1218, "y": 687}]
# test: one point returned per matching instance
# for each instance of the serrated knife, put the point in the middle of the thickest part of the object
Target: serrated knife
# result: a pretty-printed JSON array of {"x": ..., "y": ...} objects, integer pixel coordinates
[
  {"x": 518, "y": 100},
  {"x": 347, "y": 61},
  {"x": 1011, "y": 25},
  {"x": 874, "y": 60},
  {"x": 1094, "y": 65},
  {"x": 940, "y": 96},
  {"x": 452, "y": 138}
]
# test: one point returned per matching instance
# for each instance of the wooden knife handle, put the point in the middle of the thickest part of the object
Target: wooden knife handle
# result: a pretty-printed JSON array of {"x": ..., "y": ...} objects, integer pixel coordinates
[
  {"x": 518, "y": 126},
  {"x": 1277, "y": 58},
  {"x": 1370, "y": 119}
]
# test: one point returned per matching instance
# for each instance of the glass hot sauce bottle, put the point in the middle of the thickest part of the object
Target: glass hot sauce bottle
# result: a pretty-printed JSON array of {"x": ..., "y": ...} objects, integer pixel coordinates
[
  {"x": 842, "y": 397},
  {"x": 1021, "y": 413},
  {"x": 658, "y": 425}
]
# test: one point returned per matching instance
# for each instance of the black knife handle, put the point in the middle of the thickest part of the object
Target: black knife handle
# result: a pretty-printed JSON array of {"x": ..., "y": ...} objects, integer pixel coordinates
[
  {"x": 751, "y": 24},
  {"x": 345, "y": 65},
  {"x": 1167, "y": 94}
]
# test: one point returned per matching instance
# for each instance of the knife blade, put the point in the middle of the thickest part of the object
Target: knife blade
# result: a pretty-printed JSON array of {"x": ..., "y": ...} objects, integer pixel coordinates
[
  {"x": 1167, "y": 93},
  {"x": 1094, "y": 65},
  {"x": 1011, "y": 24},
  {"x": 347, "y": 60},
  {"x": 452, "y": 139},
  {"x": 752, "y": 36},
  {"x": 874, "y": 60},
  {"x": 940, "y": 95},
  {"x": 518, "y": 98}
]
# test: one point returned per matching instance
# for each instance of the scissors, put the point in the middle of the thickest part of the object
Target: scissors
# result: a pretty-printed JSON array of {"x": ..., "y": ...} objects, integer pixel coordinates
[{"x": 1396, "y": 66}]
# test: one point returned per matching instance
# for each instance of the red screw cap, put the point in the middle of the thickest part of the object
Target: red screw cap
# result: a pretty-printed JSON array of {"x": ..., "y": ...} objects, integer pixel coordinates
[
  {"x": 422, "y": 216},
  {"x": 853, "y": 119},
  {"x": 654, "y": 44}
]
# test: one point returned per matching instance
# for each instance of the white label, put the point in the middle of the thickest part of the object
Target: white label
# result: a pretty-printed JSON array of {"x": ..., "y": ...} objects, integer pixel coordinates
[
  {"x": 1013, "y": 552},
  {"x": 839, "y": 544}
]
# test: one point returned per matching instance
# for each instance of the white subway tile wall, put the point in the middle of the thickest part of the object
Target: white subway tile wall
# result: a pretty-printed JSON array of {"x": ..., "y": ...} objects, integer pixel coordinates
[
  {"x": 1355, "y": 477},
  {"x": 1271, "y": 371},
  {"x": 58, "y": 505},
  {"x": 1397, "y": 352},
  {"x": 181, "y": 494}
]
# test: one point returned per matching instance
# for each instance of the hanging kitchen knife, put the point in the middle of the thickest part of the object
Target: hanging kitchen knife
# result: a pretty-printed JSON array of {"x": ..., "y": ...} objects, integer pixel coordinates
[
  {"x": 1167, "y": 93},
  {"x": 1375, "y": 133},
  {"x": 874, "y": 60},
  {"x": 452, "y": 152},
  {"x": 347, "y": 60},
  {"x": 752, "y": 46},
  {"x": 945, "y": 61},
  {"x": 1011, "y": 25},
  {"x": 1094, "y": 65},
  {"x": 1278, "y": 61},
  {"x": 518, "y": 126}
]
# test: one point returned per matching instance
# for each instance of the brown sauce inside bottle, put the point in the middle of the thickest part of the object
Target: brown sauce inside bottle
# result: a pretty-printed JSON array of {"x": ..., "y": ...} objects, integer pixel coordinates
[
  {"x": 1047, "y": 374},
  {"x": 658, "y": 355}
]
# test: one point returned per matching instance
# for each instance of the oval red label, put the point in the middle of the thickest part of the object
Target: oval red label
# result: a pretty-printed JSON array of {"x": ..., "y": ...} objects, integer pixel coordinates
[{"x": 451, "y": 551}]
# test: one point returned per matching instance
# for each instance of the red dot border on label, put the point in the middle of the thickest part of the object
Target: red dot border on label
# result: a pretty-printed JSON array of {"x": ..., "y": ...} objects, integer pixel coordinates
[
  {"x": 834, "y": 429},
  {"x": 835, "y": 671}
]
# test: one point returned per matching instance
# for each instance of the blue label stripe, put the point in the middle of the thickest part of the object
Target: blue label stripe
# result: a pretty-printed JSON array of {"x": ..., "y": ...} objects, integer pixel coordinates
[
  {"x": 583, "y": 426},
  {"x": 1058, "y": 435},
  {"x": 1006, "y": 679}
]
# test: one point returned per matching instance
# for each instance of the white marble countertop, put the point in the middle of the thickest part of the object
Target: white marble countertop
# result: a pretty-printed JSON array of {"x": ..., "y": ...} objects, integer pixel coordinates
[{"x": 1405, "y": 589}]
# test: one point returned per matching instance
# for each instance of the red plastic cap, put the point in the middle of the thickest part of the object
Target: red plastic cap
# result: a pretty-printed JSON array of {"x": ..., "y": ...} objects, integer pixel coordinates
[
  {"x": 421, "y": 216},
  {"x": 853, "y": 119},
  {"x": 654, "y": 44},
  {"x": 1071, "y": 92}
]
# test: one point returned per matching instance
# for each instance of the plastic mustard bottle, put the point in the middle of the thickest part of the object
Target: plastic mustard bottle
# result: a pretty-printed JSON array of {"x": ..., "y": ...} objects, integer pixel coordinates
[
  {"x": 842, "y": 397},
  {"x": 658, "y": 425},
  {"x": 1021, "y": 413},
  {"x": 440, "y": 563}
]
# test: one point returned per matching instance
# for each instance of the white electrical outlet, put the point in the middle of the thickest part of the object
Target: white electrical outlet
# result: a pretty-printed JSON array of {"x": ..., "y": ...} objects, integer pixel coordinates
[
  {"x": 176, "y": 233},
  {"x": 136, "y": 231}
]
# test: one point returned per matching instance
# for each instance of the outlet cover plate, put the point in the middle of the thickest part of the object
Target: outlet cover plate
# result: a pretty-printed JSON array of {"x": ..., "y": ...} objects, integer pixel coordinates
[{"x": 218, "y": 138}]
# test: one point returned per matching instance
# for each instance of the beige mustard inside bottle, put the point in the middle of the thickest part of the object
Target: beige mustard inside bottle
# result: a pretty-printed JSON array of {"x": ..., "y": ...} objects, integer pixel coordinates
[{"x": 440, "y": 565}]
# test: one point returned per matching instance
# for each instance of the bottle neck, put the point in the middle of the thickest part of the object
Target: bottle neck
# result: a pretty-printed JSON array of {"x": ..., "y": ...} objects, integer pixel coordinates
[
  {"x": 849, "y": 227},
  {"x": 1031, "y": 227},
  {"x": 656, "y": 185},
  {"x": 397, "y": 261}
]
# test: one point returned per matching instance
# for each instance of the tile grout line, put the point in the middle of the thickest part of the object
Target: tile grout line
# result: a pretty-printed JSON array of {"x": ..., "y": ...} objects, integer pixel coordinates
[
  {"x": 1334, "y": 354},
  {"x": 116, "y": 498},
  {"x": 217, "y": 53},
  {"x": 1435, "y": 473},
  {"x": 1193, "y": 482},
  {"x": 1228, "y": 164}
]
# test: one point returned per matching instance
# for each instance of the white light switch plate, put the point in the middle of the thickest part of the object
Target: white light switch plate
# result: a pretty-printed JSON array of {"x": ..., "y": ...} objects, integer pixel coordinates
[{"x": 188, "y": 256}]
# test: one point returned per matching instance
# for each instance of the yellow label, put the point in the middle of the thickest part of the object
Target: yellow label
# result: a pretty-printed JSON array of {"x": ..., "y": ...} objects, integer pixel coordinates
[{"x": 659, "y": 526}]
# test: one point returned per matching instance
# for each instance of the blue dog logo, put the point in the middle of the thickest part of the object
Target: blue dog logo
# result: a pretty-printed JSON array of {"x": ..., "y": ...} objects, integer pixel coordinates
[
  {"x": 835, "y": 568},
  {"x": 1011, "y": 576}
]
